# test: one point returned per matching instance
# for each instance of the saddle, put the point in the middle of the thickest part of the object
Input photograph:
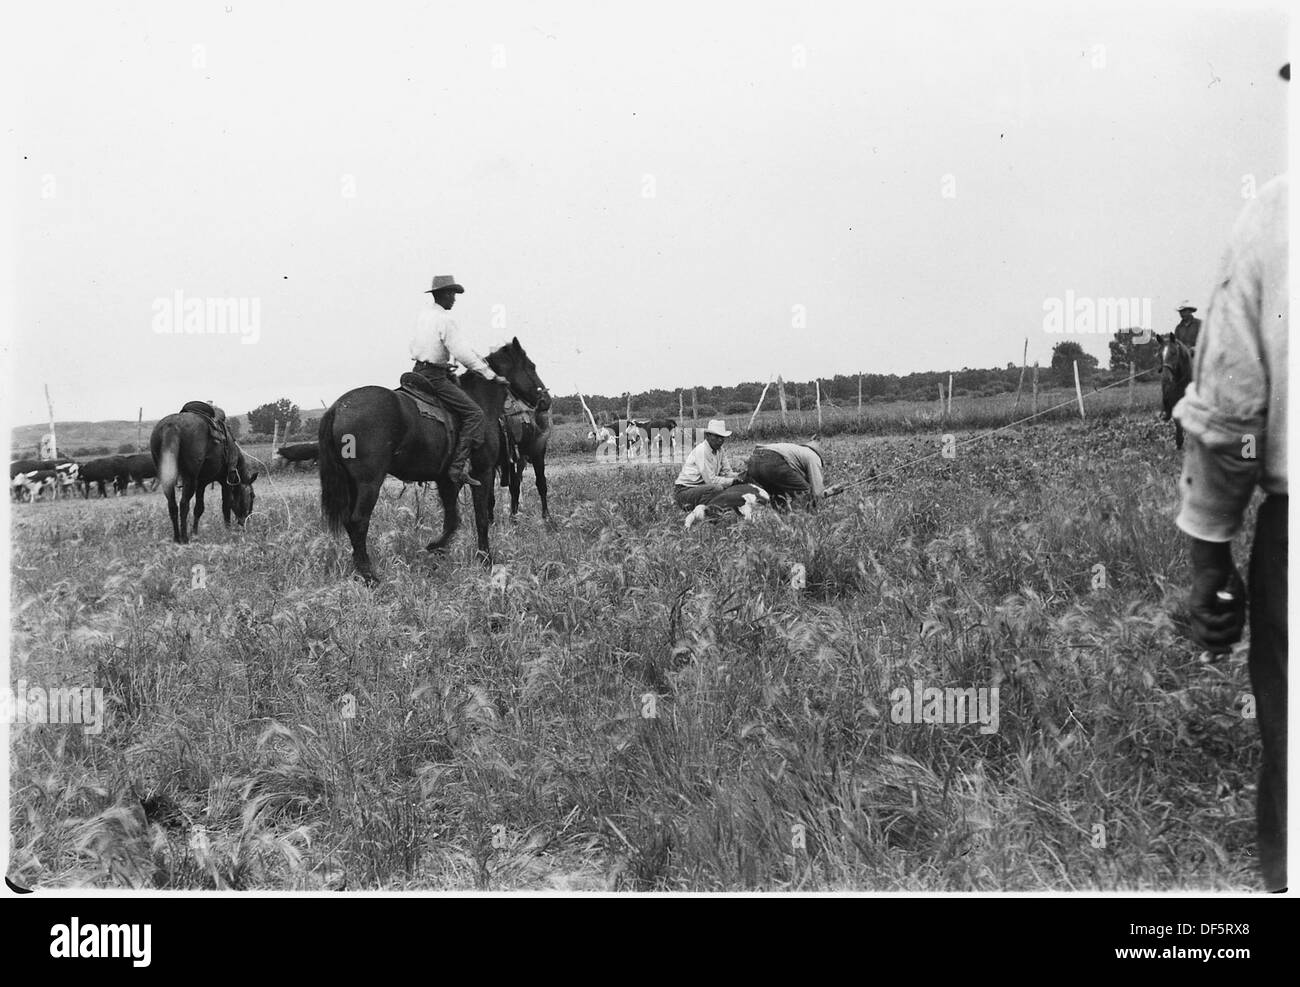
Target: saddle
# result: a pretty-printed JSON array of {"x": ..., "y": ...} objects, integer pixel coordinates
[
  {"x": 428, "y": 405},
  {"x": 217, "y": 429}
]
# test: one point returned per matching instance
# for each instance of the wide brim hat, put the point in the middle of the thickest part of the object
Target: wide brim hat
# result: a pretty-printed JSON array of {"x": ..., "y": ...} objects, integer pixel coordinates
[
  {"x": 444, "y": 282},
  {"x": 717, "y": 427},
  {"x": 1185, "y": 304}
]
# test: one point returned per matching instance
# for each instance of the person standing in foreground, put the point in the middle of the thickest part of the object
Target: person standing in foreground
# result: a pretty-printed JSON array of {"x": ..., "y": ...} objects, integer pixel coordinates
[
  {"x": 790, "y": 471},
  {"x": 437, "y": 341},
  {"x": 704, "y": 475},
  {"x": 1234, "y": 413}
]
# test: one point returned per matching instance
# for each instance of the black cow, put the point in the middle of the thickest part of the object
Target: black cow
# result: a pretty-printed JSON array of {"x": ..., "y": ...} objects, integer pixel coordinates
[
  {"x": 300, "y": 452},
  {"x": 107, "y": 468},
  {"x": 140, "y": 467},
  {"x": 27, "y": 465}
]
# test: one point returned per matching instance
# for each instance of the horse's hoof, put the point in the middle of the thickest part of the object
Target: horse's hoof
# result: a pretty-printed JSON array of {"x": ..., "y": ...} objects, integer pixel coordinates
[
  {"x": 367, "y": 574},
  {"x": 436, "y": 547}
]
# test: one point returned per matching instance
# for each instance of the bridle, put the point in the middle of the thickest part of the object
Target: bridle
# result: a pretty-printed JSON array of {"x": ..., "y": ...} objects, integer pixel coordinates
[{"x": 1184, "y": 356}]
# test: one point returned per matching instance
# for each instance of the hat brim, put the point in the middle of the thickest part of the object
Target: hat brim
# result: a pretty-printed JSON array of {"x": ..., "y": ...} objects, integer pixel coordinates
[
  {"x": 447, "y": 287},
  {"x": 721, "y": 435}
]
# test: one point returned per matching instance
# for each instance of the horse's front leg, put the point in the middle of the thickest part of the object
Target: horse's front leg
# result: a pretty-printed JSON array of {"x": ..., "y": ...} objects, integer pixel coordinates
[
  {"x": 539, "y": 470},
  {"x": 482, "y": 494}
]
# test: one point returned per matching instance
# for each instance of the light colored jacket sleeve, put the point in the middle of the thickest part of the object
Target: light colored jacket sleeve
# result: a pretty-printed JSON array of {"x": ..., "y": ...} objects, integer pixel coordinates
[
  {"x": 815, "y": 479},
  {"x": 461, "y": 351},
  {"x": 1226, "y": 410}
]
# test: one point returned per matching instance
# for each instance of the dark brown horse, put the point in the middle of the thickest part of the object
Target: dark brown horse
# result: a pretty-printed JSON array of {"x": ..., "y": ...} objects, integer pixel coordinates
[
  {"x": 185, "y": 451},
  {"x": 531, "y": 435},
  {"x": 373, "y": 432},
  {"x": 1175, "y": 375}
]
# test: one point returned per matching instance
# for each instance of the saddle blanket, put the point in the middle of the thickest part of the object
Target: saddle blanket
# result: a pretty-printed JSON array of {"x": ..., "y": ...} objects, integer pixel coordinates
[{"x": 426, "y": 404}]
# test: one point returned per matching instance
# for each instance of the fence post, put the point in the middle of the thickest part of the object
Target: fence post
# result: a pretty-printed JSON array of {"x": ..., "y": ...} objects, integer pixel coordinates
[
  {"x": 1132, "y": 372},
  {"x": 942, "y": 416},
  {"x": 1021, "y": 386},
  {"x": 859, "y": 396},
  {"x": 950, "y": 395},
  {"x": 1035, "y": 388},
  {"x": 819, "y": 404},
  {"x": 780, "y": 393},
  {"x": 760, "y": 403},
  {"x": 695, "y": 414},
  {"x": 1077, "y": 389}
]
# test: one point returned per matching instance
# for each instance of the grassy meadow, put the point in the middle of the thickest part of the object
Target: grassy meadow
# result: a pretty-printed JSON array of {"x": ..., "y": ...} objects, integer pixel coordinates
[{"x": 623, "y": 704}]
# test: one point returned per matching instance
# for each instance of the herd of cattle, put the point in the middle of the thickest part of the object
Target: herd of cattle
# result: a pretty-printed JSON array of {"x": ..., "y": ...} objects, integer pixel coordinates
[
  {"x": 33, "y": 479},
  {"x": 48, "y": 479}
]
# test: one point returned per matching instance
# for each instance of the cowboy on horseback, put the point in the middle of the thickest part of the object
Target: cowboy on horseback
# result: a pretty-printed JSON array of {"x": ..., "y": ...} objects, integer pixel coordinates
[
  {"x": 1189, "y": 327},
  {"x": 438, "y": 341}
]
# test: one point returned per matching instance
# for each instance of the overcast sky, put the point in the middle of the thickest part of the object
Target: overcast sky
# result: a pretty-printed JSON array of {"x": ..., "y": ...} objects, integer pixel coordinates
[{"x": 648, "y": 195}]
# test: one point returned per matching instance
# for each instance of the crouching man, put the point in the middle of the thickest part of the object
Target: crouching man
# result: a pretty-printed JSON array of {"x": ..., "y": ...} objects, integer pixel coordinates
[
  {"x": 790, "y": 471},
  {"x": 706, "y": 472}
]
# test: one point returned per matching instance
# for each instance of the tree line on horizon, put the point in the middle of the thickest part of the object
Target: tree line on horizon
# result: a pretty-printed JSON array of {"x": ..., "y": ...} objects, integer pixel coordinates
[{"x": 840, "y": 390}]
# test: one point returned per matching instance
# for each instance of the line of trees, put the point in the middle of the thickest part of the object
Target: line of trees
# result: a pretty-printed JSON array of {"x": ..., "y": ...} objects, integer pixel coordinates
[{"x": 842, "y": 389}]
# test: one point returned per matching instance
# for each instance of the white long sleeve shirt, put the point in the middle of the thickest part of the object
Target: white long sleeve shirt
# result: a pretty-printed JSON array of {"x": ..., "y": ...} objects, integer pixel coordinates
[
  {"x": 438, "y": 339},
  {"x": 1234, "y": 410},
  {"x": 703, "y": 465}
]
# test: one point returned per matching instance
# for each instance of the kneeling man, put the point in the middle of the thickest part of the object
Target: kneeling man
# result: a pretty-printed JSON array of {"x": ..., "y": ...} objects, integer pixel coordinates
[
  {"x": 790, "y": 471},
  {"x": 706, "y": 472}
]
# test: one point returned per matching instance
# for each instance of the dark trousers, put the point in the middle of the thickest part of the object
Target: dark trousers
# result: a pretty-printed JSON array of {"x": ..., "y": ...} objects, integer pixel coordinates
[
  {"x": 787, "y": 485},
  {"x": 442, "y": 382},
  {"x": 1268, "y": 640},
  {"x": 690, "y": 497}
]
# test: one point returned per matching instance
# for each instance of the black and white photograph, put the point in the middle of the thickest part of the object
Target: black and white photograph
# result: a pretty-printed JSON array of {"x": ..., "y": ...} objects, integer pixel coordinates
[{"x": 565, "y": 449}]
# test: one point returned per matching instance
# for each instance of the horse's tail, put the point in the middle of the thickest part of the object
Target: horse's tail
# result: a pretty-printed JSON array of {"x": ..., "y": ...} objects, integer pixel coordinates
[
  {"x": 168, "y": 459},
  {"x": 335, "y": 484}
]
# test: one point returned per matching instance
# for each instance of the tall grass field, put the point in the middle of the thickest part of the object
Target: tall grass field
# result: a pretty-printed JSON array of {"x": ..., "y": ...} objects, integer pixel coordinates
[{"x": 624, "y": 704}]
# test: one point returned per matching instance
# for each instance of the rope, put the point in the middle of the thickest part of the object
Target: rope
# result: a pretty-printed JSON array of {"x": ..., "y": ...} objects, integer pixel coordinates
[
  {"x": 274, "y": 488},
  {"x": 849, "y": 484}
]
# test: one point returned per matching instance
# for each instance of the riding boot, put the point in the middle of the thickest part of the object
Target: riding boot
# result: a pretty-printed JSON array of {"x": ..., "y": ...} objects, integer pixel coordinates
[{"x": 459, "y": 469}]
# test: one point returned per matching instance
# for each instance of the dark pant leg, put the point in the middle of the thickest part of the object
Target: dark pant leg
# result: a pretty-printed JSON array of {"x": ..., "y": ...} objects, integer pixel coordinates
[
  {"x": 688, "y": 498},
  {"x": 1268, "y": 674},
  {"x": 773, "y": 473},
  {"x": 460, "y": 404}
]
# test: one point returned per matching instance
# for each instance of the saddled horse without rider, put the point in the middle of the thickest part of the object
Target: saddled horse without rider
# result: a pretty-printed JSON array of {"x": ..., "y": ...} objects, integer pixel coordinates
[
  {"x": 194, "y": 448},
  {"x": 528, "y": 430},
  {"x": 1175, "y": 375},
  {"x": 373, "y": 432}
]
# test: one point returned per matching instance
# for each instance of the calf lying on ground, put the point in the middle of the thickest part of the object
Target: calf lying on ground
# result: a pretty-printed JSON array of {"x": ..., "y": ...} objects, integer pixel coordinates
[{"x": 739, "y": 499}]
